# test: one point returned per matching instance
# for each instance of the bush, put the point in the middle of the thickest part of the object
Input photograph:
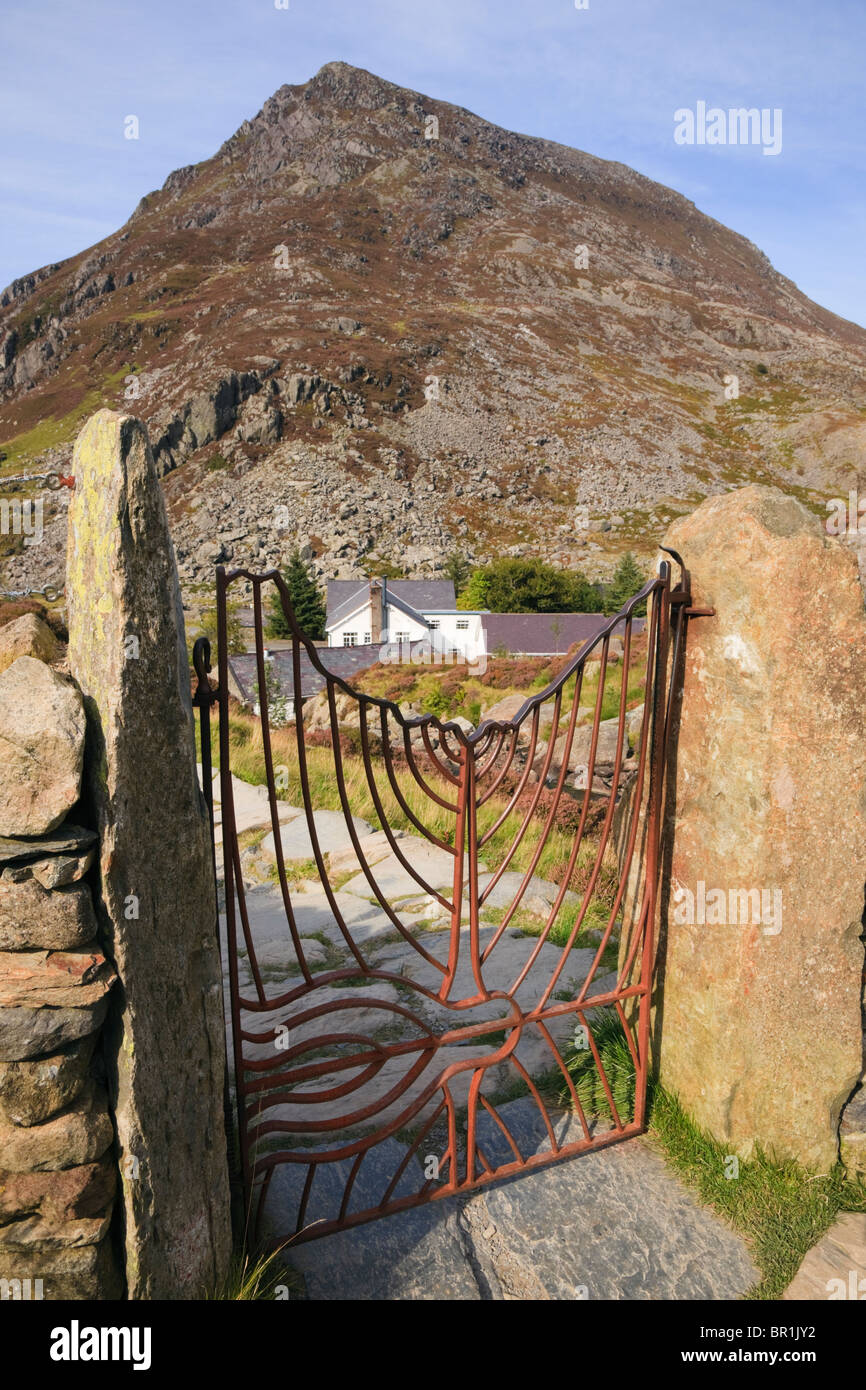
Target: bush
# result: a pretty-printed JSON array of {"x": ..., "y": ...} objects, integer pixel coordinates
[
  {"x": 528, "y": 586},
  {"x": 235, "y": 640}
]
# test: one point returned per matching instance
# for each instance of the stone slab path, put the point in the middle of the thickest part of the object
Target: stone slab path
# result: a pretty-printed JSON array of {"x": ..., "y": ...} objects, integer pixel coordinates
[
  {"x": 370, "y": 1008},
  {"x": 835, "y": 1268},
  {"x": 614, "y": 1224},
  {"x": 252, "y": 808}
]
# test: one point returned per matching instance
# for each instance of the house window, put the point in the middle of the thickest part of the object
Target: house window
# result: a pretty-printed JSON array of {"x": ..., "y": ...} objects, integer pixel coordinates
[
  {"x": 350, "y": 639},
  {"x": 367, "y": 639},
  {"x": 434, "y": 622},
  {"x": 462, "y": 624},
  {"x": 403, "y": 637}
]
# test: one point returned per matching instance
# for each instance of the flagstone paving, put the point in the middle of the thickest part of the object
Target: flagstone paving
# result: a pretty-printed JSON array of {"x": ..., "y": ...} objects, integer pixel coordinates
[
  {"x": 606, "y": 1225},
  {"x": 612, "y": 1224},
  {"x": 372, "y": 1006},
  {"x": 835, "y": 1268},
  {"x": 332, "y": 833},
  {"x": 251, "y": 806}
]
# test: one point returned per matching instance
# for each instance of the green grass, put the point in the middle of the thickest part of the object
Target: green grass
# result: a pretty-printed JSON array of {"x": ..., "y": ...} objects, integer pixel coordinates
[
  {"x": 51, "y": 432},
  {"x": 780, "y": 1208},
  {"x": 596, "y": 918}
]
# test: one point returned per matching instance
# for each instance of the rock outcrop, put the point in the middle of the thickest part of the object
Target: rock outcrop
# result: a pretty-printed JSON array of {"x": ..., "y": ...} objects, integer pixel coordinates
[
  {"x": 27, "y": 636},
  {"x": 271, "y": 363}
]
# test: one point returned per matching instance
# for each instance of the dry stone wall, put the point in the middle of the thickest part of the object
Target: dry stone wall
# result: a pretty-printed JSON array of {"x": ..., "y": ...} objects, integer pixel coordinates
[{"x": 57, "y": 1171}]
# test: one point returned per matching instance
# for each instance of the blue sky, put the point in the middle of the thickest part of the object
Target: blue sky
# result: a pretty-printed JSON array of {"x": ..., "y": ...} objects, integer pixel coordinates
[{"x": 607, "y": 79}]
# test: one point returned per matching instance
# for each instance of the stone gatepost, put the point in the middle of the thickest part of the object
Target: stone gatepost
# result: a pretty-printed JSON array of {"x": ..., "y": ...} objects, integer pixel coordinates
[
  {"x": 156, "y": 900},
  {"x": 761, "y": 961}
]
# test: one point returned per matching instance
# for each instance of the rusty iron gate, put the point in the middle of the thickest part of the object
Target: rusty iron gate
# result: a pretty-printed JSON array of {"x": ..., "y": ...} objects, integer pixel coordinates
[{"x": 391, "y": 1058}]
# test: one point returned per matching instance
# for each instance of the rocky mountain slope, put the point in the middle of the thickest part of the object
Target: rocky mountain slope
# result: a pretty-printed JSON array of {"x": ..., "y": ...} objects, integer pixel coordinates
[{"x": 376, "y": 323}]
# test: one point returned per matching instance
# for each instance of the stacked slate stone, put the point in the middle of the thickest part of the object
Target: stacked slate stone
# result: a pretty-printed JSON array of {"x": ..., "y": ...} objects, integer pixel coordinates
[{"x": 57, "y": 1171}]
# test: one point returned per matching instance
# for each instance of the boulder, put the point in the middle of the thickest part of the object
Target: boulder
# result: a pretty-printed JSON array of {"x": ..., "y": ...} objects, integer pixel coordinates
[
  {"x": 28, "y": 636},
  {"x": 760, "y": 1022},
  {"x": 32, "y": 1091},
  {"x": 505, "y": 709},
  {"x": 465, "y": 725},
  {"x": 605, "y": 751},
  {"x": 41, "y": 747},
  {"x": 317, "y": 712},
  {"x": 35, "y": 919},
  {"x": 157, "y": 899}
]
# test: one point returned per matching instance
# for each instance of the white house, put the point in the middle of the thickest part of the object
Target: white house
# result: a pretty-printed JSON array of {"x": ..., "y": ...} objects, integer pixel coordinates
[{"x": 417, "y": 619}]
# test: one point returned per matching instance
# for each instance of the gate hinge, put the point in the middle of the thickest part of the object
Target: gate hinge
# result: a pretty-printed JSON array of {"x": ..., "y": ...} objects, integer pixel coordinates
[
  {"x": 205, "y": 693},
  {"x": 682, "y": 595}
]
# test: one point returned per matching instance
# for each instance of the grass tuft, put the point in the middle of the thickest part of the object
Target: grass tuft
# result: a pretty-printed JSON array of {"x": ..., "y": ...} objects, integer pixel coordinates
[
  {"x": 257, "y": 1278},
  {"x": 616, "y": 1059}
]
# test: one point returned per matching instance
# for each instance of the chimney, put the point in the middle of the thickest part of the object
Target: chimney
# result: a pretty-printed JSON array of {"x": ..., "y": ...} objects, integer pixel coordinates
[{"x": 377, "y": 610}]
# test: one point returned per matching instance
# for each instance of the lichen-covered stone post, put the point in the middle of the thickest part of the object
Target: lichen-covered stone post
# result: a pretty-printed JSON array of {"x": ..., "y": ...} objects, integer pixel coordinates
[
  {"x": 157, "y": 905},
  {"x": 761, "y": 962}
]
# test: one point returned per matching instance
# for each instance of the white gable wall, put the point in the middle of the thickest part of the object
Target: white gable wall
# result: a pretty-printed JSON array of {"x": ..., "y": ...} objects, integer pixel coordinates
[{"x": 447, "y": 631}]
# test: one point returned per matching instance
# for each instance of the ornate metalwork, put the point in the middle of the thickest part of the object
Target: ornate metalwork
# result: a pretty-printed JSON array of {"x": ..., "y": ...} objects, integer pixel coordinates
[{"x": 318, "y": 1091}]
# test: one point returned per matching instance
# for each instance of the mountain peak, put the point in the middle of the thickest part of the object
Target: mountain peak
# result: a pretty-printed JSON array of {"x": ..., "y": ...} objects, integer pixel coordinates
[{"x": 423, "y": 318}]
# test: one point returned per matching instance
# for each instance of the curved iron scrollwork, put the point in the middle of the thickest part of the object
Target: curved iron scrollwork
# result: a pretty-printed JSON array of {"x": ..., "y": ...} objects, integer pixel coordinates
[{"x": 386, "y": 1038}]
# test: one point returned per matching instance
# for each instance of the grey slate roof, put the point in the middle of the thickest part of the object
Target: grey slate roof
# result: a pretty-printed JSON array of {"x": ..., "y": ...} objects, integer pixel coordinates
[
  {"x": 539, "y": 634},
  {"x": 345, "y": 595},
  {"x": 342, "y": 661}
]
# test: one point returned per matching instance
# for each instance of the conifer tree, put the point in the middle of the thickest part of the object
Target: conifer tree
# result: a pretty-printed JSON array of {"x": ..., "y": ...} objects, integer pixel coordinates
[
  {"x": 306, "y": 599},
  {"x": 626, "y": 582}
]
